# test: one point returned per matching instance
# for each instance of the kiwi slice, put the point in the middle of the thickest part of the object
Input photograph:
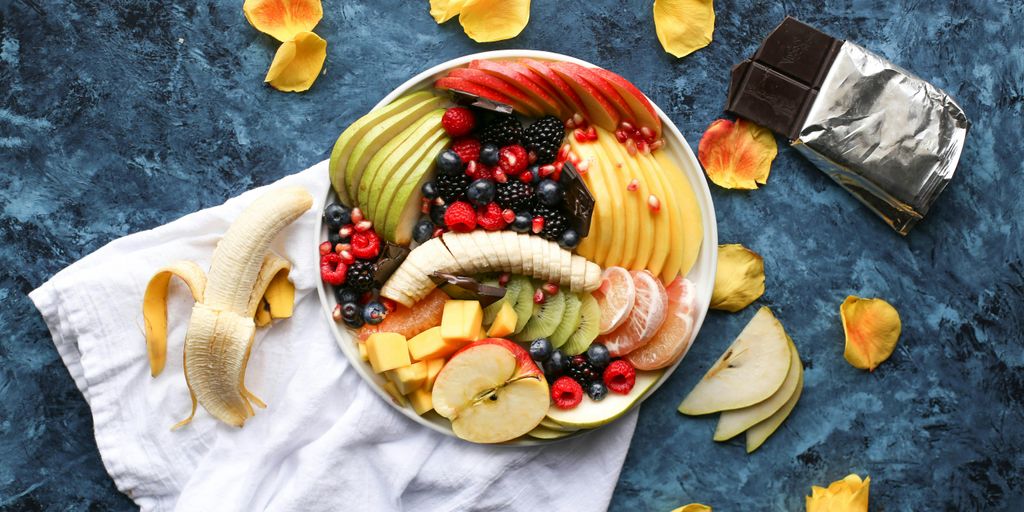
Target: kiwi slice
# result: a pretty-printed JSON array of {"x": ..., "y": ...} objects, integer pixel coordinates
[
  {"x": 512, "y": 289},
  {"x": 523, "y": 306},
  {"x": 570, "y": 320},
  {"x": 545, "y": 319},
  {"x": 586, "y": 332}
]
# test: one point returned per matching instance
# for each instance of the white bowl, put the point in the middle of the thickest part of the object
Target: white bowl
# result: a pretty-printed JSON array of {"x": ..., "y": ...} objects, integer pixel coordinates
[{"x": 702, "y": 273}]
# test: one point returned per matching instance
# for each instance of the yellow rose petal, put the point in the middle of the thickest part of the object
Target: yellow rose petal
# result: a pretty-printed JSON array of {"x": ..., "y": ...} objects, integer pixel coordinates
[
  {"x": 847, "y": 495},
  {"x": 485, "y": 21},
  {"x": 684, "y": 26},
  {"x": 739, "y": 280},
  {"x": 872, "y": 328},
  {"x": 444, "y": 10},
  {"x": 297, "y": 63},
  {"x": 693, "y": 507},
  {"x": 283, "y": 19},
  {"x": 737, "y": 154}
]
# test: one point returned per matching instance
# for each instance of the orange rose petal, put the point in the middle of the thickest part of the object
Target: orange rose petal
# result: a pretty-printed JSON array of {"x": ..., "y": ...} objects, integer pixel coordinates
[
  {"x": 444, "y": 10},
  {"x": 872, "y": 329},
  {"x": 847, "y": 495},
  {"x": 297, "y": 63},
  {"x": 684, "y": 26},
  {"x": 485, "y": 21},
  {"x": 737, "y": 154},
  {"x": 283, "y": 19}
]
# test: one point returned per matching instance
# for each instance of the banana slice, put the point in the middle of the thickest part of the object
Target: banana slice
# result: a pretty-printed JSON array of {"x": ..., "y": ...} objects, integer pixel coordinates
[
  {"x": 458, "y": 251},
  {"x": 498, "y": 246},
  {"x": 576, "y": 273},
  {"x": 591, "y": 277},
  {"x": 510, "y": 246},
  {"x": 526, "y": 253},
  {"x": 565, "y": 274},
  {"x": 482, "y": 241}
]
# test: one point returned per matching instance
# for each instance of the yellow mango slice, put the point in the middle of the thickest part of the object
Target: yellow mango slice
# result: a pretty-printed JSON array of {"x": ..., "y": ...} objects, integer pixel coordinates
[
  {"x": 872, "y": 328},
  {"x": 297, "y": 63},
  {"x": 684, "y": 26},
  {"x": 505, "y": 322},
  {"x": 739, "y": 280},
  {"x": 283, "y": 19},
  {"x": 387, "y": 351},
  {"x": 847, "y": 495}
]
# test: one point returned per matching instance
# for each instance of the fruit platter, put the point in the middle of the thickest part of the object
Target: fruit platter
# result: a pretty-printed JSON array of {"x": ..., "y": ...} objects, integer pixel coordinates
[{"x": 517, "y": 247}]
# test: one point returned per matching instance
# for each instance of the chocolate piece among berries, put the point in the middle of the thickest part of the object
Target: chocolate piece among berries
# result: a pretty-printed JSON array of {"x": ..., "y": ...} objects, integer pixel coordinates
[
  {"x": 579, "y": 202},
  {"x": 467, "y": 288},
  {"x": 468, "y": 98},
  {"x": 391, "y": 256}
]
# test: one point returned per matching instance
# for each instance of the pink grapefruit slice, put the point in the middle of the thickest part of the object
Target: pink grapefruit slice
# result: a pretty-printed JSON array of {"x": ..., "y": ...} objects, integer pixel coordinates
[
  {"x": 649, "y": 311},
  {"x": 672, "y": 341},
  {"x": 615, "y": 297}
]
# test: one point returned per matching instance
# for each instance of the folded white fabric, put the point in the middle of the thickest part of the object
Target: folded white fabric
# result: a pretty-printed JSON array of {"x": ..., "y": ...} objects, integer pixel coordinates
[{"x": 325, "y": 442}]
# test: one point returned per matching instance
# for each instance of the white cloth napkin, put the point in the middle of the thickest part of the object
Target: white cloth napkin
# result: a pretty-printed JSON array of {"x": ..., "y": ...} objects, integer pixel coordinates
[{"x": 325, "y": 442}]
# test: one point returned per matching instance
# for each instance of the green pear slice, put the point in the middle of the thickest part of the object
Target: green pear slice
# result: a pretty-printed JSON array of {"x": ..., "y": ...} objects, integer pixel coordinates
[
  {"x": 356, "y": 131},
  {"x": 404, "y": 207},
  {"x": 751, "y": 369},
  {"x": 734, "y": 422},
  {"x": 758, "y": 434},
  {"x": 381, "y": 131},
  {"x": 549, "y": 424},
  {"x": 393, "y": 156},
  {"x": 542, "y": 432},
  {"x": 591, "y": 414}
]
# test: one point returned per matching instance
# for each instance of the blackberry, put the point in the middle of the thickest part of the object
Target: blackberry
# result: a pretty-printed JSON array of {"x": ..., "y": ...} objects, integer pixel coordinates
[
  {"x": 544, "y": 137},
  {"x": 451, "y": 187},
  {"x": 502, "y": 132},
  {"x": 360, "y": 276},
  {"x": 555, "y": 222},
  {"x": 514, "y": 194},
  {"x": 581, "y": 370}
]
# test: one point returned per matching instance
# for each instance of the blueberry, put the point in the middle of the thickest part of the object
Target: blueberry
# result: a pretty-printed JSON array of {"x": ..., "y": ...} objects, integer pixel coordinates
[
  {"x": 423, "y": 230},
  {"x": 534, "y": 171},
  {"x": 598, "y": 355},
  {"x": 569, "y": 240},
  {"x": 346, "y": 295},
  {"x": 522, "y": 223},
  {"x": 449, "y": 162},
  {"x": 334, "y": 238},
  {"x": 555, "y": 365},
  {"x": 429, "y": 190},
  {"x": 336, "y": 216},
  {"x": 437, "y": 214},
  {"x": 352, "y": 314},
  {"x": 549, "y": 192},
  {"x": 489, "y": 154},
  {"x": 481, "y": 192},
  {"x": 597, "y": 391},
  {"x": 374, "y": 312},
  {"x": 540, "y": 349}
]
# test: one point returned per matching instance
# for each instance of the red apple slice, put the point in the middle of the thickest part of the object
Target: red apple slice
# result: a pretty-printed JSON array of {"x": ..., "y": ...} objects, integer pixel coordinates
[
  {"x": 643, "y": 113},
  {"x": 649, "y": 312},
  {"x": 672, "y": 340},
  {"x": 602, "y": 112},
  {"x": 570, "y": 99},
  {"x": 492, "y": 392},
  {"x": 479, "y": 77},
  {"x": 539, "y": 81},
  {"x": 521, "y": 82},
  {"x": 461, "y": 84},
  {"x": 589, "y": 76}
]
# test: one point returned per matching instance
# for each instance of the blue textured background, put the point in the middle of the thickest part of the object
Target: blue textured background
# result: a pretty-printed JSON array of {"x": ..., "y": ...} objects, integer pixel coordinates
[{"x": 118, "y": 116}]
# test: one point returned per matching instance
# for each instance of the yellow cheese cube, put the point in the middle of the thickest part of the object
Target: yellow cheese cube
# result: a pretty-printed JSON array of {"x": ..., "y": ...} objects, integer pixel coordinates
[
  {"x": 461, "y": 320},
  {"x": 505, "y": 323},
  {"x": 362, "y": 351},
  {"x": 387, "y": 351},
  {"x": 421, "y": 401},
  {"x": 408, "y": 378},
  {"x": 433, "y": 368},
  {"x": 393, "y": 392},
  {"x": 429, "y": 344}
]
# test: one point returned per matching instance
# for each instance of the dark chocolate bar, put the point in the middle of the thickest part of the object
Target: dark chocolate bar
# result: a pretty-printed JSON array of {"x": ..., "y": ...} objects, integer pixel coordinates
[
  {"x": 467, "y": 288},
  {"x": 579, "y": 202},
  {"x": 391, "y": 256}
]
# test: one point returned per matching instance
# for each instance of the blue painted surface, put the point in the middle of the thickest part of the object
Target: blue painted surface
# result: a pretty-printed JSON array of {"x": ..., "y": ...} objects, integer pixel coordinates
[{"x": 118, "y": 116}]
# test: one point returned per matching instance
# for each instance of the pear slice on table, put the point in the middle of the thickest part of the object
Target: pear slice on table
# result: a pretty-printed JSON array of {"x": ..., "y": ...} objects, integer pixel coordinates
[
  {"x": 752, "y": 369},
  {"x": 734, "y": 422},
  {"x": 758, "y": 434}
]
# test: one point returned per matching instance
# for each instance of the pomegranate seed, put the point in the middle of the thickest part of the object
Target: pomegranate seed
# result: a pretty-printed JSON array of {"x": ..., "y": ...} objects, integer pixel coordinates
[
  {"x": 570, "y": 124},
  {"x": 538, "y": 296},
  {"x": 526, "y": 177},
  {"x": 438, "y": 232},
  {"x": 336, "y": 314},
  {"x": 388, "y": 304},
  {"x": 508, "y": 215},
  {"x": 579, "y": 135},
  {"x": 342, "y": 247},
  {"x": 620, "y": 136},
  {"x": 657, "y": 144},
  {"x": 364, "y": 225},
  {"x": 357, "y": 215},
  {"x": 633, "y": 185},
  {"x": 618, "y": 165},
  {"x": 647, "y": 133},
  {"x": 550, "y": 288},
  {"x": 558, "y": 166},
  {"x": 627, "y": 127},
  {"x": 631, "y": 147},
  {"x": 578, "y": 119},
  {"x": 345, "y": 231},
  {"x": 503, "y": 278},
  {"x": 591, "y": 133},
  {"x": 438, "y": 201},
  {"x": 546, "y": 170},
  {"x": 563, "y": 152},
  {"x": 538, "y": 224},
  {"x": 531, "y": 157},
  {"x": 654, "y": 203},
  {"x": 325, "y": 248},
  {"x": 642, "y": 147},
  {"x": 426, "y": 206},
  {"x": 584, "y": 166},
  {"x": 347, "y": 258},
  {"x": 573, "y": 157},
  {"x": 471, "y": 169},
  {"x": 500, "y": 176}
]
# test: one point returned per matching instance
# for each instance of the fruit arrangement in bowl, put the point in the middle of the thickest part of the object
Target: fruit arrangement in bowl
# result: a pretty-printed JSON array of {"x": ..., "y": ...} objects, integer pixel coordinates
[{"x": 513, "y": 250}]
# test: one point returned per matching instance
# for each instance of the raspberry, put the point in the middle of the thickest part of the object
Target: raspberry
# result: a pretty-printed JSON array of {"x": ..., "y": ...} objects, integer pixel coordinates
[
  {"x": 365, "y": 245},
  {"x": 566, "y": 393},
  {"x": 332, "y": 270},
  {"x": 620, "y": 377},
  {"x": 460, "y": 217},
  {"x": 480, "y": 172},
  {"x": 467, "y": 148},
  {"x": 458, "y": 121},
  {"x": 513, "y": 160},
  {"x": 491, "y": 218}
]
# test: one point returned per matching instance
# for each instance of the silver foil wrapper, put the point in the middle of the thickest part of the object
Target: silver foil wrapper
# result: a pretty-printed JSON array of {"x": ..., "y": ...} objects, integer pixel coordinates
[{"x": 890, "y": 138}]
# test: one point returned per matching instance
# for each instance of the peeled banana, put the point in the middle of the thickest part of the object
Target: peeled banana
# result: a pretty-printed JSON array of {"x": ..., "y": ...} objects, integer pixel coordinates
[{"x": 246, "y": 287}]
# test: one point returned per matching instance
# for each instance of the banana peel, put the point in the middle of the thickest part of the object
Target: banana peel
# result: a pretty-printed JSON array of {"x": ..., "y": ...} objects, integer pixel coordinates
[{"x": 246, "y": 287}]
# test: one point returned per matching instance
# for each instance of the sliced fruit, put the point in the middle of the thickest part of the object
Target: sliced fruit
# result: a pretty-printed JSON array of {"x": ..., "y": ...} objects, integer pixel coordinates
[
  {"x": 750, "y": 370},
  {"x": 570, "y": 320},
  {"x": 648, "y": 314},
  {"x": 461, "y": 320},
  {"x": 492, "y": 392},
  {"x": 615, "y": 297},
  {"x": 405, "y": 206},
  {"x": 545, "y": 318},
  {"x": 392, "y": 156},
  {"x": 551, "y": 425},
  {"x": 642, "y": 109},
  {"x": 635, "y": 250},
  {"x": 675, "y": 336},
  {"x": 758, "y": 434},
  {"x": 452, "y": 83},
  {"x": 568, "y": 96},
  {"x": 586, "y": 330},
  {"x": 525, "y": 83},
  {"x": 387, "y": 351},
  {"x": 530, "y": 107},
  {"x": 671, "y": 214},
  {"x": 504, "y": 323},
  {"x": 732, "y": 423},
  {"x": 595, "y": 414},
  {"x": 541, "y": 432},
  {"x": 655, "y": 224},
  {"x": 410, "y": 321},
  {"x": 511, "y": 297},
  {"x": 524, "y": 304},
  {"x": 607, "y": 205},
  {"x": 686, "y": 199},
  {"x": 600, "y": 110}
]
